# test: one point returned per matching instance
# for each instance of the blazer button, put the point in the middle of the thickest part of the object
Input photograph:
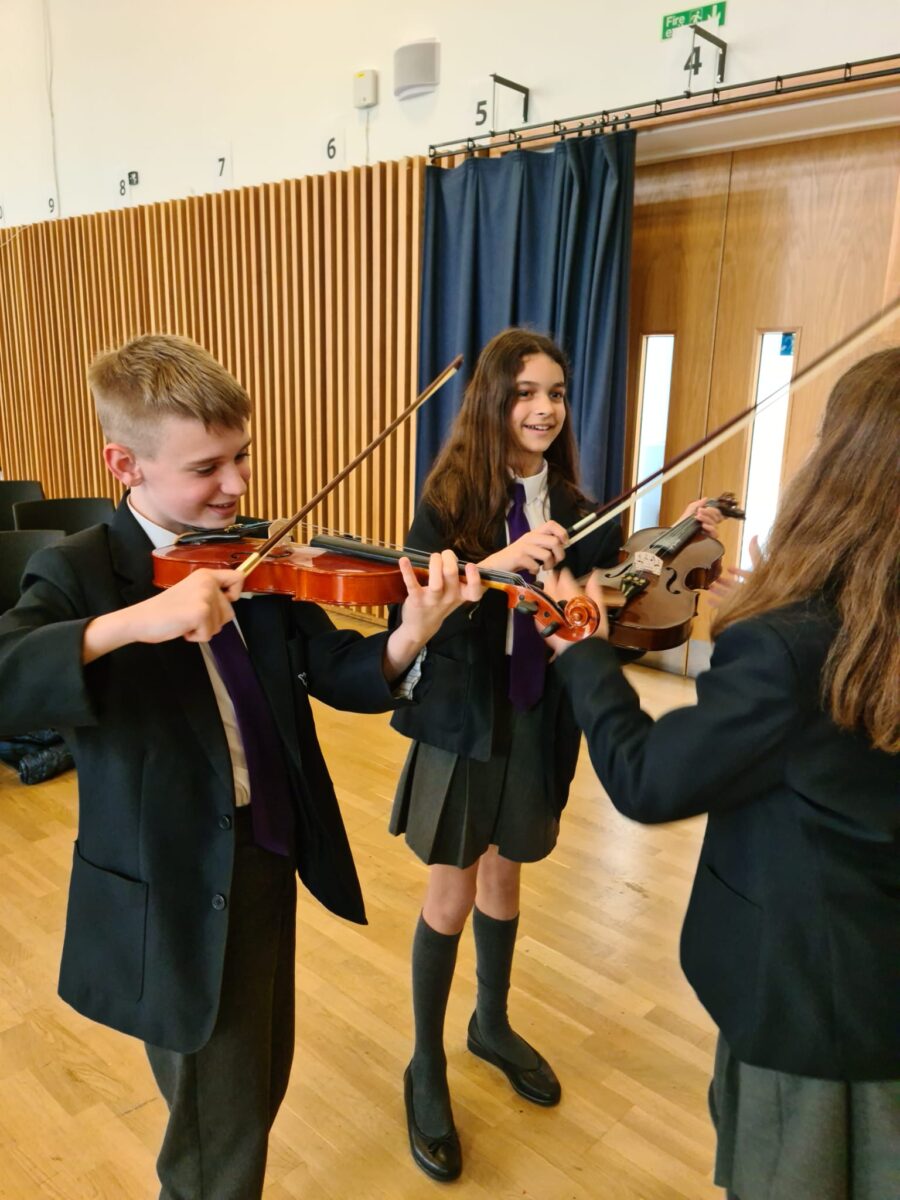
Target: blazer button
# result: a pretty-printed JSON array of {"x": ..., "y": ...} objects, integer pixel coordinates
[
  {"x": 224, "y": 821},
  {"x": 218, "y": 902}
]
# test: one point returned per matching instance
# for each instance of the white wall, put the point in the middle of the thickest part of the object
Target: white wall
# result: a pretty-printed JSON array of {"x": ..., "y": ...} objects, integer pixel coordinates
[{"x": 166, "y": 86}]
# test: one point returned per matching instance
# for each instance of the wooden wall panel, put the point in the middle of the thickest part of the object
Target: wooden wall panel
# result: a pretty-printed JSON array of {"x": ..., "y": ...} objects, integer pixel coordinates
[
  {"x": 678, "y": 241},
  {"x": 803, "y": 236},
  {"x": 307, "y": 290},
  {"x": 807, "y": 248}
]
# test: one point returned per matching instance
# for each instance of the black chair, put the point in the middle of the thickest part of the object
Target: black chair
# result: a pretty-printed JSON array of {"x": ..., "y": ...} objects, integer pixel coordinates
[
  {"x": 42, "y": 754},
  {"x": 70, "y": 515},
  {"x": 16, "y": 547},
  {"x": 11, "y": 492}
]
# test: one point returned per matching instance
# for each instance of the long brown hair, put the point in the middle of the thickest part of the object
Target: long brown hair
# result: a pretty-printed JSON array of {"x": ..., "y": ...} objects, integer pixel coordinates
[
  {"x": 468, "y": 486},
  {"x": 836, "y": 532}
]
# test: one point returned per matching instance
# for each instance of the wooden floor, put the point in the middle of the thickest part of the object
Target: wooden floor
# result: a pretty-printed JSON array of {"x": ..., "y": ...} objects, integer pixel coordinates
[{"x": 596, "y": 987}]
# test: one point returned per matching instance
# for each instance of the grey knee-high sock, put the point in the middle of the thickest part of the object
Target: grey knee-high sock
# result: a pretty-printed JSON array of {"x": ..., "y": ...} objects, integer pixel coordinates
[
  {"x": 433, "y": 964},
  {"x": 495, "y": 943}
]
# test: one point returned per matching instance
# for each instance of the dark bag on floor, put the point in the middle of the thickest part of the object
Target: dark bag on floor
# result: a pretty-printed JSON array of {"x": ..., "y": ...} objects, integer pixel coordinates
[{"x": 36, "y": 756}]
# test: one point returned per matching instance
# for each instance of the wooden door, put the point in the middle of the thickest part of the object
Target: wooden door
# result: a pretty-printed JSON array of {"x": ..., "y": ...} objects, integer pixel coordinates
[{"x": 802, "y": 236}]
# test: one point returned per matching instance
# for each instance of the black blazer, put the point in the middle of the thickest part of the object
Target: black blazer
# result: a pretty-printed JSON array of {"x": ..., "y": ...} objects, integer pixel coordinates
[
  {"x": 792, "y": 935},
  {"x": 146, "y": 926},
  {"x": 464, "y": 673}
]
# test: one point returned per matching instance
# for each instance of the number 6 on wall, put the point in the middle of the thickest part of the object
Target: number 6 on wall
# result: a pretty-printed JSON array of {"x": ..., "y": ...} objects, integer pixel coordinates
[{"x": 336, "y": 145}]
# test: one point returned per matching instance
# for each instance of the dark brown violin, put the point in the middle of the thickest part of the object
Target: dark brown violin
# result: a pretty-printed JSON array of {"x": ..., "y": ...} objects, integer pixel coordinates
[{"x": 652, "y": 594}]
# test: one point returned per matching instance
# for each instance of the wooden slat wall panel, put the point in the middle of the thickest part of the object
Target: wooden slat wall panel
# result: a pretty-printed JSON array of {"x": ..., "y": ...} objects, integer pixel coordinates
[{"x": 307, "y": 290}]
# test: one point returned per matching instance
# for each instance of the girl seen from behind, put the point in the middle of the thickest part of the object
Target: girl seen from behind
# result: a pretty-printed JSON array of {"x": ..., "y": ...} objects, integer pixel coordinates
[{"x": 792, "y": 934}]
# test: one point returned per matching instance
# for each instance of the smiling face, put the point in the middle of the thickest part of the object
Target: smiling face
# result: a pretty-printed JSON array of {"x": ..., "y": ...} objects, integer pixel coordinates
[
  {"x": 194, "y": 477},
  {"x": 538, "y": 413}
]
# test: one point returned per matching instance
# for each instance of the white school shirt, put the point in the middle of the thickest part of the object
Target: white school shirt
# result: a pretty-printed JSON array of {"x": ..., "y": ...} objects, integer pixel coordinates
[
  {"x": 164, "y": 537},
  {"x": 537, "y": 512}
]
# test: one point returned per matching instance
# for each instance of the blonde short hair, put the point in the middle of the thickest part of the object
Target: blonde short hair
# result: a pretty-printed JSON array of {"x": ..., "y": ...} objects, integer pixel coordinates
[{"x": 159, "y": 375}]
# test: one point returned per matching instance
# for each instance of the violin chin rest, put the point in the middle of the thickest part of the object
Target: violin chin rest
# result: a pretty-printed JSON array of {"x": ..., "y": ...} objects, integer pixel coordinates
[{"x": 203, "y": 537}]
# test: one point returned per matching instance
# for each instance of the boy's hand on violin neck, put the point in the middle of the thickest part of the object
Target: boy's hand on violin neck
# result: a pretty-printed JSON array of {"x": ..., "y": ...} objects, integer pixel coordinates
[
  {"x": 540, "y": 548},
  {"x": 427, "y": 606},
  {"x": 562, "y": 586},
  {"x": 195, "y": 609}
]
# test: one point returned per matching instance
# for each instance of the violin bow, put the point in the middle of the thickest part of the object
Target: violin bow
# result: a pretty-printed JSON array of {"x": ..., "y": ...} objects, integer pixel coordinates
[
  {"x": 627, "y": 499},
  {"x": 253, "y": 560}
]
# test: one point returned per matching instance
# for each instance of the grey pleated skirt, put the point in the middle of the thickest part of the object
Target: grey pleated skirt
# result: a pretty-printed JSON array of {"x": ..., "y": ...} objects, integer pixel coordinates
[
  {"x": 791, "y": 1137},
  {"x": 452, "y": 808}
]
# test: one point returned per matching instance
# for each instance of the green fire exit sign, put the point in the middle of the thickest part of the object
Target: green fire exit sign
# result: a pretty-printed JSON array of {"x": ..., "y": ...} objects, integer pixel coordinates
[{"x": 703, "y": 12}]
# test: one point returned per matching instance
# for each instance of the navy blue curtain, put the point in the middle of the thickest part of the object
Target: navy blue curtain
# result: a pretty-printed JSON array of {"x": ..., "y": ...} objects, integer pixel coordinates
[{"x": 540, "y": 239}]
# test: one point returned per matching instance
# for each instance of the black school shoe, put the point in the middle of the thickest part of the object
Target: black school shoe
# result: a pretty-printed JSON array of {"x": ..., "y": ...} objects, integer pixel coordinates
[
  {"x": 538, "y": 1084},
  {"x": 441, "y": 1157}
]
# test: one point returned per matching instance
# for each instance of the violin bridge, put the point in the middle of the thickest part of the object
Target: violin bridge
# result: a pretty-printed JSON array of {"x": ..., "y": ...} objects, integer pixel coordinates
[{"x": 646, "y": 560}]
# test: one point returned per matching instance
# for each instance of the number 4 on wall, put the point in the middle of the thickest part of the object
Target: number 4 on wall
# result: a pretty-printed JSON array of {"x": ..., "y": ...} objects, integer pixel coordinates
[{"x": 693, "y": 64}]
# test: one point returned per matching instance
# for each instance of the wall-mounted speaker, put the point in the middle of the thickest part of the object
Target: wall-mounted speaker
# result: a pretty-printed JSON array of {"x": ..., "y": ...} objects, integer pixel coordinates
[{"x": 416, "y": 68}]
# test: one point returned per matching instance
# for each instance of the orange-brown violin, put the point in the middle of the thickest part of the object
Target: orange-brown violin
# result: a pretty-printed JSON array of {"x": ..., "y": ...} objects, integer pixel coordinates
[{"x": 343, "y": 571}]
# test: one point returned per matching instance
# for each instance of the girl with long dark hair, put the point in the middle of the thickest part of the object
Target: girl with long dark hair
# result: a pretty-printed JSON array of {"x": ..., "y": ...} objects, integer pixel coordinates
[{"x": 494, "y": 743}]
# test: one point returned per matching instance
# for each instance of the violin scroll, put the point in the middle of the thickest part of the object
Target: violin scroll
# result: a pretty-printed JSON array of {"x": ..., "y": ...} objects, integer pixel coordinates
[
  {"x": 573, "y": 621},
  {"x": 583, "y": 617},
  {"x": 728, "y": 506}
]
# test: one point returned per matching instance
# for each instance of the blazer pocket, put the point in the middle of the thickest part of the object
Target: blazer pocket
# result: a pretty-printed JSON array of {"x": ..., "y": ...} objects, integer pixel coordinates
[
  {"x": 106, "y": 927},
  {"x": 446, "y": 701},
  {"x": 720, "y": 946}
]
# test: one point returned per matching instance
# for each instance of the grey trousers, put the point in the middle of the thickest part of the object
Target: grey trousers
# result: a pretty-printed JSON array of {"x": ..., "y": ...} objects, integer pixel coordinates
[{"x": 223, "y": 1098}]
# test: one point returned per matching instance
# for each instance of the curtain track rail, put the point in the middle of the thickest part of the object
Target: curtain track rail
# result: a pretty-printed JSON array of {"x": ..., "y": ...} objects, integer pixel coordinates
[{"x": 843, "y": 77}]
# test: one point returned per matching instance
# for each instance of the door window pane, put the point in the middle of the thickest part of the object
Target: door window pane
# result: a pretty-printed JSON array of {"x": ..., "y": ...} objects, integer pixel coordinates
[
  {"x": 656, "y": 383},
  {"x": 776, "y": 366}
]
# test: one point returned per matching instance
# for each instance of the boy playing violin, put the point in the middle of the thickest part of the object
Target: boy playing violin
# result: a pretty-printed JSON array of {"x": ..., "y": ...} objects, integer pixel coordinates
[{"x": 202, "y": 787}]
